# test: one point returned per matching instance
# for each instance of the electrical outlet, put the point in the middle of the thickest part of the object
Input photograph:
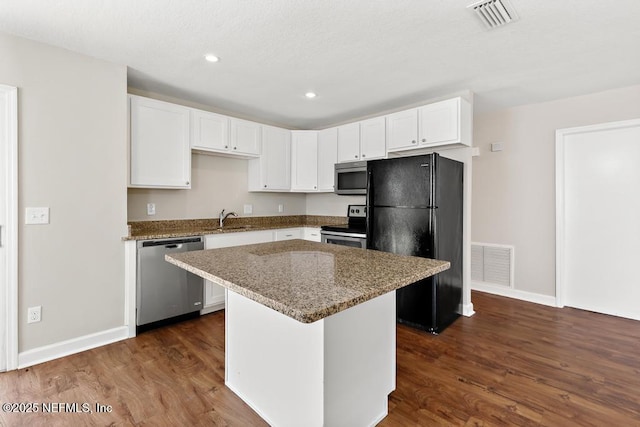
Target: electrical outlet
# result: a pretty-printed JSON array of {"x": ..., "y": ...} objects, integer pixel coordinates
[
  {"x": 248, "y": 209},
  {"x": 34, "y": 314},
  {"x": 151, "y": 208},
  {"x": 36, "y": 216}
]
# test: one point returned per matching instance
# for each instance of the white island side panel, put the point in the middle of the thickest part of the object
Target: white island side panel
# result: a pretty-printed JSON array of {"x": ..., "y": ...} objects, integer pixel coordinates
[{"x": 337, "y": 371}]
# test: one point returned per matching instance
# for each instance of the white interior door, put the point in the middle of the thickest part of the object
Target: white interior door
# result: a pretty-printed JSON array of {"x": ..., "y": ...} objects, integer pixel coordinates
[
  {"x": 8, "y": 228},
  {"x": 598, "y": 209}
]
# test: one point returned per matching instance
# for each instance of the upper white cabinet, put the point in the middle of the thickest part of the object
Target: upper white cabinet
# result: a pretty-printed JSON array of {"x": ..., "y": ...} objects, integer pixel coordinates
[
  {"x": 304, "y": 160},
  {"x": 441, "y": 123},
  {"x": 209, "y": 131},
  {"x": 373, "y": 139},
  {"x": 362, "y": 140},
  {"x": 327, "y": 158},
  {"x": 160, "y": 155},
  {"x": 272, "y": 170},
  {"x": 245, "y": 137}
]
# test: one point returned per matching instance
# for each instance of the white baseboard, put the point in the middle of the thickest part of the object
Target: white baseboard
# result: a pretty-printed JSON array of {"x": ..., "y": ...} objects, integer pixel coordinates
[
  {"x": 467, "y": 310},
  {"x": 72, "y": 346},
  {"x": 514, "y": 293},
  {"x": 213, "y": 307}
]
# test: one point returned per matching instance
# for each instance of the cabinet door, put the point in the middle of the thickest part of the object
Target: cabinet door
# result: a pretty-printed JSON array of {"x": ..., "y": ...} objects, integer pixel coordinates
[
  {"x": 304, "y": 160},
  {"x": 440, "y": 122},
  {"x": 245, "y": 137},
  {"x": 287, "y": 234},
  {"x": 209, "y": 131},
  {"x": 327, "y": 158},
  {"x": 402, "y": 130},
  {"x": 160, "y": 148},
  {"x": 275, "y": 160},
  {"x": 349, "y": 143},
  {"x": 373, "y": 139}
]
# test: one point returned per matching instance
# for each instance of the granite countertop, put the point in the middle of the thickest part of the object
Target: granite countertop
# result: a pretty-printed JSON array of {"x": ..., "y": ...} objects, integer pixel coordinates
[
  {"x": 144, "y": 230},
  {"x": 304, "y": 280}
]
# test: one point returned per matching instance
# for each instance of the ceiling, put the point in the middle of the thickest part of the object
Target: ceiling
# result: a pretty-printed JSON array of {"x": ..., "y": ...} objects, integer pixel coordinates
[{"x": 361, "y": 57}]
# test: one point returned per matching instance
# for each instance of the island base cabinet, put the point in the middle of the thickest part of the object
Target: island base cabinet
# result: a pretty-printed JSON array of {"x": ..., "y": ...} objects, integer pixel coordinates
[{"x": 337, "y": 371}]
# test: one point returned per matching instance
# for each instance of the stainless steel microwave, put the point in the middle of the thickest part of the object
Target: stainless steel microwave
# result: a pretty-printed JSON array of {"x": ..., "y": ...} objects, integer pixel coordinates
[{"x": 351, "y": 178}]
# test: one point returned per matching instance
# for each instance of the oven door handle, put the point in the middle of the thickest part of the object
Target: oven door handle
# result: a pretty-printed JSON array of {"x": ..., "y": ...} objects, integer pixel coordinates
[{"x": 341, "y": 234}]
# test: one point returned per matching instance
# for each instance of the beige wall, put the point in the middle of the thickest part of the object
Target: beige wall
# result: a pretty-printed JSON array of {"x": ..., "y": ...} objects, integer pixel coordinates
[
  {"x": 216, "y": 183},
  {"x": 514, "y": 189},
  {"x": 72, "y": 151},
  {"x": 331, "y": 204}
]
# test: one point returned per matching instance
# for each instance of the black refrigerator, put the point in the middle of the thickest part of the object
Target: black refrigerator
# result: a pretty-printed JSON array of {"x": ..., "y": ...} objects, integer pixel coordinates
[{"x": 414, "y": 207}]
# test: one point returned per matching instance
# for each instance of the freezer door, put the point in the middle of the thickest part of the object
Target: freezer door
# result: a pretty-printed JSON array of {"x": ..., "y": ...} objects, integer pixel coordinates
[
  {"x": 403, "y": 231},
  {"x": 400, "y": 182}
]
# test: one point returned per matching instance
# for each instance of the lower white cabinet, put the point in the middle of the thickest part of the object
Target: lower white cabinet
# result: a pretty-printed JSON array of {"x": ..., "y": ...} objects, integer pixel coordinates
[
  {"x": 214, "y": 294},
  {"x": 287, "y": 234},
  {"x": 311, "y": 233}
]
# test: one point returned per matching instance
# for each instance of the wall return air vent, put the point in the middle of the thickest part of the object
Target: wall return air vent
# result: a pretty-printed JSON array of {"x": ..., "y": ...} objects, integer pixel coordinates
[{"x": 494, "y": 13}]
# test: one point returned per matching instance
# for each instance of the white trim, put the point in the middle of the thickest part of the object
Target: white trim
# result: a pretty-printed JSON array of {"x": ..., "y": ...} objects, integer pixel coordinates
[
  {"x": 10, "y": 233},
  {"x": 467, "y": 310},
  {"x": 214, "y": 306},
  {"x": 72, "y": 346},
  {"x": 560, "y": 201},
  {"x": 515, "y": 293},
  {"x": 130, "y": 286}
]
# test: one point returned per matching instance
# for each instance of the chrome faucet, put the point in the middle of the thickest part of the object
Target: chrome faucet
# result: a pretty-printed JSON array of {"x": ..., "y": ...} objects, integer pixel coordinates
[{"x": 223, "y": 217}]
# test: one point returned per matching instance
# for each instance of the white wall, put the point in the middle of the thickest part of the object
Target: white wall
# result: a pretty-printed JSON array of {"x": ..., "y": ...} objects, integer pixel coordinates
[
  {"x": 72, "y": 158},
  {"x": 514, "y": 189},
  {"x": 216, "y": 183}
]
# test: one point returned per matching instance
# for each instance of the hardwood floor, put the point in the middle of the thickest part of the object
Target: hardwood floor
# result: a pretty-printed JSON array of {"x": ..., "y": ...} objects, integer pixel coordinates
[{"x": 513, "y": 363}]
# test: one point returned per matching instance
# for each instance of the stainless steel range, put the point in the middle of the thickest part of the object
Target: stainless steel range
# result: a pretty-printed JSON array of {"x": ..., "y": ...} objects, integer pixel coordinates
[{"x": 352, "y": 234}]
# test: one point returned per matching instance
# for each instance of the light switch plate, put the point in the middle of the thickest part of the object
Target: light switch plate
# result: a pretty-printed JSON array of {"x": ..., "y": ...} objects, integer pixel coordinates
[
  {"x": 280, "y": 208},
  {"x": 36, "y": 216},
  {"x": 497, "y": 146},
  {"x": 151, "y": 208}
]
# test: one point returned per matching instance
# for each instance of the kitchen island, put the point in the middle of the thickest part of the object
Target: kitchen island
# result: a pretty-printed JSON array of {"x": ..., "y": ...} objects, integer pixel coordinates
[{"x": 310, "y": 327}]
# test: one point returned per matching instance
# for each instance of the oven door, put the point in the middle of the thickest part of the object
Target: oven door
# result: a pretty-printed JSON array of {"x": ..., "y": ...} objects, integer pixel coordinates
[{"x": 344, "y": 239}]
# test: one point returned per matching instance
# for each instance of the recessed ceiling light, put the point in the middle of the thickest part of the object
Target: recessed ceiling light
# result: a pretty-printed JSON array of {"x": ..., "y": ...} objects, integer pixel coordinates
[
  {"x": 310, "y": 95},
  {"x": 211, "y": 58}
]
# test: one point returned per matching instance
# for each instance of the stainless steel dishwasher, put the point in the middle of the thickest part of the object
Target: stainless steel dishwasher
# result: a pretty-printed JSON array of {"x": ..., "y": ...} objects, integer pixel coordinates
[{"x": 165, "y": 291}]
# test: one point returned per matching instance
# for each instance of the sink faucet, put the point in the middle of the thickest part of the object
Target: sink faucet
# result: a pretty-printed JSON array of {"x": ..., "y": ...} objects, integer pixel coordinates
[{"x": 223, "y": 217}]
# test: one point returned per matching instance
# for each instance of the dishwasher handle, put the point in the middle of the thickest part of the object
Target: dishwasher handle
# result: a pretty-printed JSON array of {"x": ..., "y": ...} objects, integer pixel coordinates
[{"x": 170, "y": 243}]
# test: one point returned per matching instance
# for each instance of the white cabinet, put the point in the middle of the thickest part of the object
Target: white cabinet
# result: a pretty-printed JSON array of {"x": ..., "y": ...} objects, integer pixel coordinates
[
  {"x": 245, "y": 137},
  {"x": 304, "y": 160},
  {"x": 373, "y": 139},
  {"x": 312, "y": 234},
  {"x": 272, "y": 170},
  {"x": 209, "y": 131},
  {"x": 441, "y": 123},
  {"x": 349, "y": 143},
  {"x": 327, "y": 158},
  {"x": 287, "y": 234},
  {"x": 160, "y": 155},
  {"x": 213, "y": 293},
  {"x": 364, "y": 140}
]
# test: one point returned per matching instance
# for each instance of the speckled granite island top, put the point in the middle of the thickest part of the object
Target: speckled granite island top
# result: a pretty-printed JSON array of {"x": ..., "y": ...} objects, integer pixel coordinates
[{"x": 304, "y": 280}]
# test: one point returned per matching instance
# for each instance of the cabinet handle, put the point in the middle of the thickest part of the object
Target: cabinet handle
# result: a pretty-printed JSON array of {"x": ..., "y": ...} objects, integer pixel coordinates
[
  {"x": 363, "y": 156},
  {"x": 356, "y": 156},
  {"x": 235, "y": 148},
  {"x": 226, "y": 146},
  {"x": 265, "y": 186},
  {"x": 314, "y": 187},
  {"x": 413, "y": 142},
  {"x": 424, "y": 139},
  {"x": 187, "y": 182}
]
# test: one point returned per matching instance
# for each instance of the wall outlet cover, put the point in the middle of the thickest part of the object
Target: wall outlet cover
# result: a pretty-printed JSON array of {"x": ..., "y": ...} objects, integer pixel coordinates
[
  {"x": 248, "y": 209},
  {"x": 36, "y": 216},
  {"x": 151, "y": 208},
  {"x": 34, "y": 314}
]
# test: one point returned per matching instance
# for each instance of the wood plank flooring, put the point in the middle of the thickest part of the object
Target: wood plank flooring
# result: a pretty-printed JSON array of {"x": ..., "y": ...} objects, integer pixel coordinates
[{"x": 513, "y": 363}]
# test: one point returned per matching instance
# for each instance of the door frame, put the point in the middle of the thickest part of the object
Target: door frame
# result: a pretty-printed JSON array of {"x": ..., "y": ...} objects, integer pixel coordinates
[
  {"x": 561, "y": 134},
  {"x": 9, "y": 238}
]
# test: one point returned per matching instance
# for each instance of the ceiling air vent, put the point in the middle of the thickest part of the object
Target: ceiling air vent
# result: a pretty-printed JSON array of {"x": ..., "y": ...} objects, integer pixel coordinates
[{"x": 494, "y": 13}]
